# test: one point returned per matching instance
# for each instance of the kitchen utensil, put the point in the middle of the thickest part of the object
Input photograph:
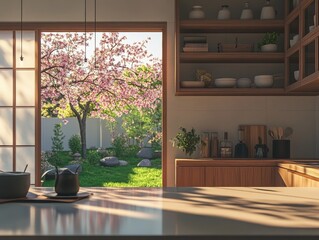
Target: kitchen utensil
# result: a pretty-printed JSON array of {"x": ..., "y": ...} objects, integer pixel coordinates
[
  {"x": 264, "y": 81},
  {"x": 66, "y": 182},
  {"x": 268, "y": 11},
  {"x": 280, "y": 132},
  {"x": 14, "y": 184},
  {"x": 281, "y": 148},
  {"x": 287, "y": 132},
  {"x": 271, "y": 134},
  {"x": 225, "y": 82},
  {"x": 26, "y": 166}
]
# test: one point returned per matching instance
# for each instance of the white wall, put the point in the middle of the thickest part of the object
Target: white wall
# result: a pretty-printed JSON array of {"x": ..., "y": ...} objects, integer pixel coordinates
[{"x": 202, "y": 113}]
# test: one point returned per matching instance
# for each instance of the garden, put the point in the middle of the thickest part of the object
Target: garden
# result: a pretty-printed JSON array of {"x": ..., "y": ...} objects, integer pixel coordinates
[{"x": 116, "y": 81}]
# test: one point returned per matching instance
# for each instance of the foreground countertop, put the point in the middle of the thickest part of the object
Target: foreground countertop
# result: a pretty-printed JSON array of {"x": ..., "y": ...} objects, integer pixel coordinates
[{"x": 169, "y": 213}]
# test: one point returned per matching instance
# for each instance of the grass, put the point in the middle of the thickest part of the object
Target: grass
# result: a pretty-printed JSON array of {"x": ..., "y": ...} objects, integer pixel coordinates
[{"x": 120, "y": 176}]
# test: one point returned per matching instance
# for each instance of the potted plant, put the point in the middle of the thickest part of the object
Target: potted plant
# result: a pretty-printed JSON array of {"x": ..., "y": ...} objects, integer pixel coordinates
[
  {"x": 269, "y": 42},
  {"x": 186, "y": 140}
]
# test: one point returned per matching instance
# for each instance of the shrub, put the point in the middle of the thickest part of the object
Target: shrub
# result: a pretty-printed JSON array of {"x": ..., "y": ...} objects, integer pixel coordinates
[
  {"x": 57, "y": 139},
  {"x": 119, "y": 145},
  {"x": 75, "y": 144},
  {"x": 93, "y": 157}
]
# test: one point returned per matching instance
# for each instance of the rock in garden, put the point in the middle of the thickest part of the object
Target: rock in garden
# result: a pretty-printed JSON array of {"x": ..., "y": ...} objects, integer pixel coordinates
[
  {"x": 144, "y": 163},
  {"x": 145, "y": 153},
  {"x": 157, "y": 154},
  {"x": 109, "y": 161},
  {"x": 123, "y": 163},
  {"x": 73, "y": 168},
  {"x": 76, "y": 156},
  {"x": 46, "y": 167}
]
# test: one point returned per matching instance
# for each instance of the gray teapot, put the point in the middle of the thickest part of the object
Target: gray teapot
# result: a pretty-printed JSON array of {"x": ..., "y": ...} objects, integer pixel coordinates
[{"x": 66, "y": 182}]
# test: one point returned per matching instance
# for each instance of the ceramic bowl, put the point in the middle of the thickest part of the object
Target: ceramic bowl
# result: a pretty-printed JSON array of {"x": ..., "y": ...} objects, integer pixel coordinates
[
  {"x": 296, "y": 75},
  {"x": 269, "y": 48},
  {"x": 244, "y": 83},
  {"x": 264, "y": 81},
  {"x": 14, "y": 184},
  {"x": 225, "y": 82}
]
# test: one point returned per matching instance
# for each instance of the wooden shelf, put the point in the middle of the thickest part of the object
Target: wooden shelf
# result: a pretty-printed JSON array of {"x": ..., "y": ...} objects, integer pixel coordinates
[
  {"x": 230, "y": 91},
  {"x": 308, "y": 84},
  {"x": 234, "y": 57},
  {"x": 233, "y": 26}
]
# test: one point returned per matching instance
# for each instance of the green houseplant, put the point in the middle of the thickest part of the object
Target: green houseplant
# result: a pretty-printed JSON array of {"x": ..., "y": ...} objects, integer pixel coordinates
[
  {"x": 186, "y": 140},
  {"x": 269, "y": 42}
]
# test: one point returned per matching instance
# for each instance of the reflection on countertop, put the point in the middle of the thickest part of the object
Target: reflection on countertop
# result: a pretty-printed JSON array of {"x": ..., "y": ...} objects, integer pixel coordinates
[{"x": 174, "y": 212}]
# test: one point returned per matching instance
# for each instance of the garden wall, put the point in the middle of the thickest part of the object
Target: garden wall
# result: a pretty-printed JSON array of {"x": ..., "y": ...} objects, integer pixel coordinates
[{"x": 98, "y": 135}]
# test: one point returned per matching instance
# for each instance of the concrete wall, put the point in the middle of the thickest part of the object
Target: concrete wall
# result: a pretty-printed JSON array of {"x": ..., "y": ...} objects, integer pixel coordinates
[
  {"x": 98, "y": 135},
  {"x": 213, "y": 113}
]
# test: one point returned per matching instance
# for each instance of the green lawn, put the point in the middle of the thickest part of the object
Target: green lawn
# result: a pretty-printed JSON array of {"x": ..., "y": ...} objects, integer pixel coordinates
[{"x": 121, "y": 176}]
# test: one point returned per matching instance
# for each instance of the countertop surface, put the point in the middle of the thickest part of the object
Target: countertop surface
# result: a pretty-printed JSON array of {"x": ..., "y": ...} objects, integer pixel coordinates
[{"x": 154, "y": 213}]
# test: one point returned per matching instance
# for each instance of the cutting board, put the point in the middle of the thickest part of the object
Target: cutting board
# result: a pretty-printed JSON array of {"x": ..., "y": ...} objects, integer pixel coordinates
[{"x": 250, "y": 136}]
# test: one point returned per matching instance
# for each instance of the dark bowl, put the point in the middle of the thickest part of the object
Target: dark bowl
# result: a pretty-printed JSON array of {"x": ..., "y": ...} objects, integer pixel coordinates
[{"x": 14, "y": 184}]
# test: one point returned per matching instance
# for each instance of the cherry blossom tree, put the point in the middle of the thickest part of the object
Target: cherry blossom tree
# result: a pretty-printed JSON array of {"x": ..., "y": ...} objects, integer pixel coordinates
[{"x": 117, "y": 76}]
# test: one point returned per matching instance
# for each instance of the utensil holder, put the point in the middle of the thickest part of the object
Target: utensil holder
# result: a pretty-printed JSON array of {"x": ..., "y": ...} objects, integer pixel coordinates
[{"x": 281, "y": 148}]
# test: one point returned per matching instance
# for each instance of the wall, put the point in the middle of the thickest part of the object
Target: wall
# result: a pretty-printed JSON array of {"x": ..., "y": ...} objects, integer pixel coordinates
[
  {"x": 99, "y": 135},
  {"x": 202, "y": 113}
]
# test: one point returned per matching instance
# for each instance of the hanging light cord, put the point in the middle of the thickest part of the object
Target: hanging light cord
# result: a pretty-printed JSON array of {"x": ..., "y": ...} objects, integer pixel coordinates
[
  {"x": 95, "y": 34},
  {"x": 21, "y": 57},
  {"x": 85, "y": 59}
]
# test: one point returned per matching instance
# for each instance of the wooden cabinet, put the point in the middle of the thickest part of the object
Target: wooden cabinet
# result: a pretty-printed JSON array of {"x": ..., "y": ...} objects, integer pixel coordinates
[
  {"x": 240, "y": 176},
  {"x": 291, "y": 178},
  {"x": 225, "y": 173},
  {"x": 190, "y": 176},
  {"x": 290, "y": 21},
  {"x": 302, "y": 60}
]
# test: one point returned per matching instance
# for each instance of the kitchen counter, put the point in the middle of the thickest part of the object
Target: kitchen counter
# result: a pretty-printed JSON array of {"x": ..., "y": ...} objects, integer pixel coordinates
[{"x": 169, "y": 213}]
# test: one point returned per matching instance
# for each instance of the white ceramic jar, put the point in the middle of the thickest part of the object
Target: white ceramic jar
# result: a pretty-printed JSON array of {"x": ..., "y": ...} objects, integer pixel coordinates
[
  {"x": 224, "y": 13},
  {"x": 197, "y": 12},
  {"x": 246, "y": 13},
  {"x": 268, "y": 11}
]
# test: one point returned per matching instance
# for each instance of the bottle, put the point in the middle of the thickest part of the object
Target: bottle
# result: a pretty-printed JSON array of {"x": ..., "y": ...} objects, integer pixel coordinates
[
  {"x": 246, "y": 13},
  {"x": 204, "y": 145},
  {"x": 214, "y": 145},
  {"x": 224, "y": 13},
  {"x": 241, "y": 150},
  {"x": 196, "y": 13},
  {"x": 226, "y": 147}
]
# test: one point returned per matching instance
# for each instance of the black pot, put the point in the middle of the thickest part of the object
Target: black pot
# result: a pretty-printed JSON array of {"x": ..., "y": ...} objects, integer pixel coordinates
[{"x": 14, "y": 184}]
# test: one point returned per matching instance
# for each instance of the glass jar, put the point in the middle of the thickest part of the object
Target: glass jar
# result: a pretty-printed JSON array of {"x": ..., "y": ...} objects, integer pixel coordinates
[
  {"x": 196, "y": 13},
  {"x": 246, "y": 13},
  {"x": 224, "y": 13}
]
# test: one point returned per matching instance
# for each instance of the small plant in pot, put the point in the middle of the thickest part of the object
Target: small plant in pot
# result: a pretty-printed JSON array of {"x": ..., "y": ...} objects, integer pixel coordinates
[
  {"x": 187, "y": 141},
  {"x": 269, "y": 42}
]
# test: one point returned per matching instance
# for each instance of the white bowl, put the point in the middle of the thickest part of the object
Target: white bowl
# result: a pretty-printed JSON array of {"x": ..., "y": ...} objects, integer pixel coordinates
[
  {"x": 244, "y": 83},
  {"x": 264, "y": 81},
  {"x": 296, "y": 75},
  {"x": 311, "y": 28},
  {"x": 269, "y": 48},
  {"x": 192, "y": 84},
  {"x": 225, "y": 82},
  {"x": 292, "y": 42}
]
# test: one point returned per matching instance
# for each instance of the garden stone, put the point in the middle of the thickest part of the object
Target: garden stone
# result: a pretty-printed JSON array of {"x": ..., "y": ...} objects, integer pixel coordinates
[
  {"x": 144, "y": 163},
  {"x": 46, "y": 166},
  {"x": 145, "y": 153},
  {"x": 157, "y": 154},
  {"x": 76, "y": 156},
  {"x": 109, "y": 161},
  {"x": 123, "y": 163},
  {"x": 73, "y": 167}
]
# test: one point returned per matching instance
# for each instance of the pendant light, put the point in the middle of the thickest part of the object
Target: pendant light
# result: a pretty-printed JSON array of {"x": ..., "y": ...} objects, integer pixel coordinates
[
  {"x": 21, "y": 28},
  {"x": 95, "y": 34},
  {"x": 85, "y": 59}
]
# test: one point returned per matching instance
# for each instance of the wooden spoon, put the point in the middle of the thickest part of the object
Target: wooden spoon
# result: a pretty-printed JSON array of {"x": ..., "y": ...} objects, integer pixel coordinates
[
  {"x": 280, "y": 133},
  {"x": 287, "y": 132},
  {"x": 271, "y": 134}
]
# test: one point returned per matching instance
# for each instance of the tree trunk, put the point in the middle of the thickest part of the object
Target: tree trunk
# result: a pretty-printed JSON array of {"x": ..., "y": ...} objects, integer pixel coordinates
[{"x": 82, "y": 125}]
